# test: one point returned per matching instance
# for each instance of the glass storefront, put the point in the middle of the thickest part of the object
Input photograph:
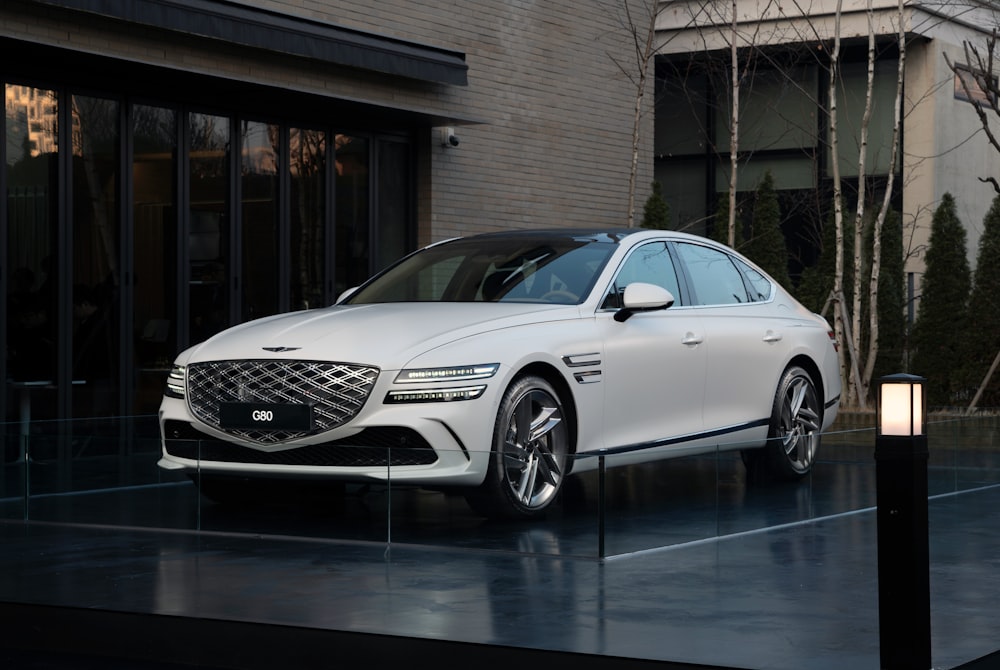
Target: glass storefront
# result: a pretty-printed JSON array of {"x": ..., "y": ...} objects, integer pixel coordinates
[
  {"x": 353, "y": 209},
  {"x": 259, "y": 223},
  {"x": 307, "y": 215},
  {"x": 133, "y": 230},
  {"x": 208, "y": 226},
  {"x": 33, "y": 323},
  {"x": 153, "y": 249}
]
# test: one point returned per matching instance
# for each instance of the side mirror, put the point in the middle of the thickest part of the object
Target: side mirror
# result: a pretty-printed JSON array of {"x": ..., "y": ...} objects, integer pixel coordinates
[{"x": 642, "y": 297}]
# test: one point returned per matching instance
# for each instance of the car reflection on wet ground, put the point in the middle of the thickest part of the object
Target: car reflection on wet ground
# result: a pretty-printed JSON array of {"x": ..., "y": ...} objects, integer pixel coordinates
[{"x": 699, "y": 566}]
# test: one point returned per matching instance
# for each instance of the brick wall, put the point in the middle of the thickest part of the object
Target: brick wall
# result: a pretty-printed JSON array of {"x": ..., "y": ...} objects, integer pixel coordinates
[
  {"x": 551, "y": 145},
  {"x": 554, "y": 145}
]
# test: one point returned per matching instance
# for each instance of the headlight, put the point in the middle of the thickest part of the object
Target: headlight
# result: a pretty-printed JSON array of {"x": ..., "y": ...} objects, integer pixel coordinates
[
  {"x": 175, "y": 382},
  {"x": 458, "y": 373},
  {"x": 435, "y": 394}
]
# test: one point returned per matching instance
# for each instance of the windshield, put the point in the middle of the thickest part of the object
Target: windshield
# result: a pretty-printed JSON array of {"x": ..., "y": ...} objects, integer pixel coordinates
[{"x": 559, "y": 270}]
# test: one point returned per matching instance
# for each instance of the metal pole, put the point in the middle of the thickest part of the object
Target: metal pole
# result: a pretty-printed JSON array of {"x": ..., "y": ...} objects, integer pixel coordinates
[
  {"x": 600, "y": 506},
  {"x": 903, "y": 552}
]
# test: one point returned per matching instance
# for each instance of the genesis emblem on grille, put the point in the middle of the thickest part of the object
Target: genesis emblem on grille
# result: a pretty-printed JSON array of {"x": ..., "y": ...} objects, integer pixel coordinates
[{"x": 278, "y": 350}]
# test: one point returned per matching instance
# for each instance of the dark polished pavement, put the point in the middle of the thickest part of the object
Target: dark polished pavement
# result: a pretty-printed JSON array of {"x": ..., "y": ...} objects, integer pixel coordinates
[{"x": 699, "y": 569}]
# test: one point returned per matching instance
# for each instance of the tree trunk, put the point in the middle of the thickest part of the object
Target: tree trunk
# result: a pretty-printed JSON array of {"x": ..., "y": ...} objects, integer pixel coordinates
[
  {"x": 857, "y": 393},
  {"x": 838, "y": 205},
  {"x": 645, "y": 51},
  {"x": 734, "y": 130},
  {"x": 884, "y": 209}
]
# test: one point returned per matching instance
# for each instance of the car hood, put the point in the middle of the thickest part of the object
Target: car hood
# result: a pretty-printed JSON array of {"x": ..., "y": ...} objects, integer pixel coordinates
[{"x": 385, "y": 335}]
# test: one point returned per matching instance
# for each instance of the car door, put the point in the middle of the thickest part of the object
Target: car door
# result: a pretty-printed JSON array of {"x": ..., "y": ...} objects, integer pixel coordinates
[
  {"x": 746, "y": 339},
  {"x": 654, "y": 368}
]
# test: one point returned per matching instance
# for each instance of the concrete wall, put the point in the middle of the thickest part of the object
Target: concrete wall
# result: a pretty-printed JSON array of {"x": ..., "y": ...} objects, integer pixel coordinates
[{"x": 946, "y": 148}]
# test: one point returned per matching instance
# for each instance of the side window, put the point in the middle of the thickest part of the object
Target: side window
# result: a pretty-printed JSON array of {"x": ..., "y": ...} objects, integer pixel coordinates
[
  {"x": 760, "y": 286},
  {"x": 650, "y": 264},
  {"x": 715, "y": 280}
]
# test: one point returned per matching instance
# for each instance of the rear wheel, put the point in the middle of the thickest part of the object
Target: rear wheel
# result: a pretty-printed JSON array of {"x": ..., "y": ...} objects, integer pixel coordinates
[
  {"x": 529, "y": 454},
  {"x": 793, "y": 436}
]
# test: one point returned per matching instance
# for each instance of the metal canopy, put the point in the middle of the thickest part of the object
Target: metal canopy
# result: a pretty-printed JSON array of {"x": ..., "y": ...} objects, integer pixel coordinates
[{"x": 272, "y": 31}]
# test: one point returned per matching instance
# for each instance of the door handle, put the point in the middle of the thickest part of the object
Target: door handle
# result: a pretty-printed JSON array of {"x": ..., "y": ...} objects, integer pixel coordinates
[
  {"x": 771, "y": 336},
  {"x": 691, "y": 340}
]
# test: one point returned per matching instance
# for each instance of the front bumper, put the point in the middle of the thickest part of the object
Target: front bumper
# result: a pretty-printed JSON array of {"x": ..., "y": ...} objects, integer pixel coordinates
[{"x": 421, "y": 443}]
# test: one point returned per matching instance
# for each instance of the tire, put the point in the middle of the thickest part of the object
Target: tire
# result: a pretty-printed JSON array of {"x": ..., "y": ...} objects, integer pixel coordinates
[
  {"x": 793, "y": 435},
  {"x": 529, "y": 454}
]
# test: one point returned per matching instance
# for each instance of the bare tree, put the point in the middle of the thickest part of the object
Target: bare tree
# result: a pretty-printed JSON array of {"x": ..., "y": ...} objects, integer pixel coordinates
[
  {"x": 840, "y": 325},
  {"x": 734, "y": 127},
  {"x": 855, "y": 392},
  {"x": 742, "y": 40},
  {"x": 638, "y": 20},
  {"x": 641, "y": 29},
  {"x": 858, "y": 360},
  {"x": 876, "y": 257},
  {"x": 859, "y": 354},
  {"x": 855, "y": 323},
  {"x": 737, "y": 72}
]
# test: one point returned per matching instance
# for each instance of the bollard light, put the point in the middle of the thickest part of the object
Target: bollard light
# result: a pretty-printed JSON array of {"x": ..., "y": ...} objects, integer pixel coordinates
[
  {"x": 901, "y": 406},
  {"x": 901, "y": 456}
]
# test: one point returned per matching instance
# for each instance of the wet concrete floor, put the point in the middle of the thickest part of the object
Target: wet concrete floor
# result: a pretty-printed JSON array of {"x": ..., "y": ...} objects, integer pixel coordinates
[{"x": 684, "y": 564}]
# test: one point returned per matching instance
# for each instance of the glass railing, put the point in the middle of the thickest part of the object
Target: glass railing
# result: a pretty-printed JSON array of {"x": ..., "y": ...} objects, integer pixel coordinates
[{"x": 105, "y": 473}]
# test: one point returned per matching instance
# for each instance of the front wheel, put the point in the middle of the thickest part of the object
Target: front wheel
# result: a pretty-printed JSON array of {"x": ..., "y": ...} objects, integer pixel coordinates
[
  {"x": 529, "y": 454},
  {"x": 794, "y": 432}
]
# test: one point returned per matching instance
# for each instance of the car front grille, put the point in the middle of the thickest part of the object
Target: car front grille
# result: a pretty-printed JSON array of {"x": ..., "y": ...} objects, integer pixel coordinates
[{"x": 336, "y": 392}]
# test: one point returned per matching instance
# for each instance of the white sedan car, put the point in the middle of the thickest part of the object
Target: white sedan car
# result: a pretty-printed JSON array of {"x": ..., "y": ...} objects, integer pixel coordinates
[{"x": 498, "y": 364}]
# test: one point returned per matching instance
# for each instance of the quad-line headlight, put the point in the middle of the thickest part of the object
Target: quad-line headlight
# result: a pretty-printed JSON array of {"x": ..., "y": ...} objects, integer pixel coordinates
[
  {"x": 435, "y": 394},
  {"x": 175, "y": 382},
  {"x": 430, "y": 379},
  {"x": 456, "y": 373}
]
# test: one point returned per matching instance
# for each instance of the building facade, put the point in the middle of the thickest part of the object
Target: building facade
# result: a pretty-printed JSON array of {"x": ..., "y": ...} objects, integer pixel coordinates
[
  {"x": 784, "y": 112},
  {"x": 173, "y": 168}
]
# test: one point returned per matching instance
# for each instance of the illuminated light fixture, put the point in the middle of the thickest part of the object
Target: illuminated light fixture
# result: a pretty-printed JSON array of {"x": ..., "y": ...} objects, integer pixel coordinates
[
  {"x": 175, "y": 382},
  {"x": 901, "y": 456},
  {"x": 455, "y": 373},
  {"x": 902, "y": 405},
  {"x": 435, "y": 395}
]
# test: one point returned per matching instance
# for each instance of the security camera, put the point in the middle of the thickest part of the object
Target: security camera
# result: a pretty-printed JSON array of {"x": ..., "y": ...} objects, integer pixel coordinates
[{"x": 448, "y": 137}]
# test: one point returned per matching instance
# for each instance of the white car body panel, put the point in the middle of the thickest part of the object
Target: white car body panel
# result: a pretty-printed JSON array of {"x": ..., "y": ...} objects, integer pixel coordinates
[
  {"x": 354, "y": 332},
  {"x": 654, "y": 360},
  {"x": 745, "y": 353}
]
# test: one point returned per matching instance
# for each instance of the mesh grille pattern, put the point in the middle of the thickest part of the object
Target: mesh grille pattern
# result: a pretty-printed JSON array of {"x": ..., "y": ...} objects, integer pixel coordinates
[{"x": 336, "y": 391}]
